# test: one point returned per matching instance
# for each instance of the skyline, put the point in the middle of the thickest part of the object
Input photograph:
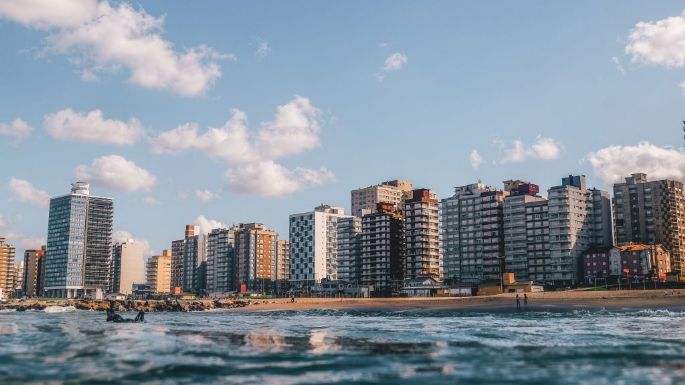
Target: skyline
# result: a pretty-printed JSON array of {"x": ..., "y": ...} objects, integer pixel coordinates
[{"x": 348, "y": 102}]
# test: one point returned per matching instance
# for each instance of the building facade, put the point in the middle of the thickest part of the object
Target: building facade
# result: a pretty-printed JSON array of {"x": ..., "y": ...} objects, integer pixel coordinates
[
  {"x": 220, "y": 261},
  {"x": 579, "y": 218},
  {"x": 283, "y": 260},
  {"x": 313, "y": 246},
  {"x": 522, "y": 233},
  {"x": 422, "y": 236},
  {"x": 128, "y": 266},
  {"x": 255, "y": 255},
  {"x": 79, "y": 246},
  {"x": 158, "y": 272},
  {"x": 349, "y": 249},
  {"x": 6, "y": 267},
  {"x": 194, "y": 260},
  {"x": 33, "y": 272},
  {"x": 473, "y": 234},
  {"x": 177, "y": 248},
  {"x": 365, "y": 199},
  {"x": 651, "y": 212},
  {"x": 382, "y": 250},
  {"x": 632, "y": 261}
]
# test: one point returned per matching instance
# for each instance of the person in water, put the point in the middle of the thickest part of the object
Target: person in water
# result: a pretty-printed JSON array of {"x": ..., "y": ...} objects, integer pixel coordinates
[
  {"x": 518, "y": 302},
  {"x": 116, "y": 318}
]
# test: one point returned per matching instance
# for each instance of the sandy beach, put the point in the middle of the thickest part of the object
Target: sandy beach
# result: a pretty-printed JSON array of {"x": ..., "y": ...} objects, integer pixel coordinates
[{"x": 562, "y": 301}]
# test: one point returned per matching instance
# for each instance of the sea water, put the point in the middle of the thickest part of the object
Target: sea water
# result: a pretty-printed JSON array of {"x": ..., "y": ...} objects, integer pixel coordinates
[{"x": 344, "y": 347}]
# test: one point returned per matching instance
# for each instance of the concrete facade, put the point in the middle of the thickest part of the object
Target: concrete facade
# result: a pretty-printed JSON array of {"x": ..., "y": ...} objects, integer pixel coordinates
[
  {"x": 255, "y": 256},
  {"x": 6, "y": 267},
  {"x": 365, "y": 199},
  {"x": 128, "y": 266},
  {"x": 220, "y": 261},
  {"x": 422, "y": 236},
  {"x": 158, "y": 272},
  {"x": 349, "y": 249},
  {"x": 383, "y": 259},
  {"x": 33, "y": 272}
]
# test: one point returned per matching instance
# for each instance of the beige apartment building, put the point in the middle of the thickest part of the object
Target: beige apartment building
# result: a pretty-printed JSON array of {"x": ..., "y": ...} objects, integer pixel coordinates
[
  {"x": 6, "y": 268},
  {"x": 364, "y": 200},
  {"x": 422, "y": 236},
  {"x": 283, "y": 260},
  {"x": 158, "y": 272},
  {"x": 255, "y": 256}
]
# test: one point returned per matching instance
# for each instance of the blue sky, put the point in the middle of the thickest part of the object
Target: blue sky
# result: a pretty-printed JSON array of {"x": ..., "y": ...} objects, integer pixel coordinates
[{"x": 369, "y": 91}]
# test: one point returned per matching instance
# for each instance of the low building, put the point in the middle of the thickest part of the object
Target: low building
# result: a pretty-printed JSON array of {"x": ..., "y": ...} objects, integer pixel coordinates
[
  {"x": 425, "y": 287},
  {"x": 650, "y": 262}
]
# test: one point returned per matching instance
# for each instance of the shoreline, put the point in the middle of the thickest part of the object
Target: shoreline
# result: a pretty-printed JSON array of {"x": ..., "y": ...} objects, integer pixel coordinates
[{"x": 565, "y": 301}]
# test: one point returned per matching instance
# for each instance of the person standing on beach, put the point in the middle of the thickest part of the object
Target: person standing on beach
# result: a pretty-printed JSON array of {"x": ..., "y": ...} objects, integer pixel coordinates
[
  {"x": 518, "y": 302},
  {"x": 525, "y": 301}
]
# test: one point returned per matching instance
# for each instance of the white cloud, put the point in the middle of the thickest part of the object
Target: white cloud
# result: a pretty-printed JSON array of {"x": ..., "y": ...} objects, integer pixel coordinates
[
  {"x": 294, "y": 129},
  {"x": 151, "y": 201},
  {"x": 207, "y": 225},
  {"x": 659, "y": 43},
  {"x": 91, "y": 127},
  {"x": 18, "y": 129},
  {"x": 25, "y": 192},
  {"x": 614, "y": 163},
  {"x": 206, "y": 195},
  {"x": 395, "y": 62},
  {"x": 122, "y": 236},
  {"x": 543, "y": 148},
  {"x": 3, "y": 222},
  {"x": 263, "y": 49},
  {"x": 102, "y": 35},
  {"x": 271, "y": 179},
  {"x": 116, "y": 173},
  {"x": 476, "y": 159},
  {"x": 31, "y": 243},
  {"x": 618, "y": 65}
]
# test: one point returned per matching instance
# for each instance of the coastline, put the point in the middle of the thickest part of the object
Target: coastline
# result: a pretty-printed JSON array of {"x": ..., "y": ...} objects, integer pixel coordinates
[{"x": 560, "y": 301}]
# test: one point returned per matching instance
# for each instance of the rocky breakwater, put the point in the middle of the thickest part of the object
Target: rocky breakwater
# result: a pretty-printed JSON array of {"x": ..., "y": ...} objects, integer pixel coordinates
[{"x": 147, "y": 306}]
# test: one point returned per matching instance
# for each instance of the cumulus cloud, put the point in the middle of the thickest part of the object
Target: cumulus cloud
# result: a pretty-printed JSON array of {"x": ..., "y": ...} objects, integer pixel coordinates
[
  {"x": 614, "y": 163},
  {"x": 116, "y": 173},
  {"x": 92, "y": 127},
  {"x": 18, "y": 129},
  {"x": 272, "y": 180},
  {"x": 294, "y": 129},
  {"x": 476, "y": 159},
  {"x": 395, "y": 62},
  {"x": 24, "y": 191},
  {"x": 207, "y": 225},
  {"x": 659, "y": 43},
  {"x": 206, "y": 195},
  {"x": 543, "y": 148},
  {"x": 263, "y": 49},
  {"x": 104, "y": 36},
  {"x": 121, "y": 236}
]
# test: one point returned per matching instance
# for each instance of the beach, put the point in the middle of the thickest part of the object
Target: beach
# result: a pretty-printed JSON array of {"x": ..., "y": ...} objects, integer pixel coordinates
[{"x": 558, "y": 301}]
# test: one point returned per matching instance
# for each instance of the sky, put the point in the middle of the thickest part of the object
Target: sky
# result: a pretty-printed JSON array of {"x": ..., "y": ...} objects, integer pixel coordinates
[{"x": 223, "y": 112}]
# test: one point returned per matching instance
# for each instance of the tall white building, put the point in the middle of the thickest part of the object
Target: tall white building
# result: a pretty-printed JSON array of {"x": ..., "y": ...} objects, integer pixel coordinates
[
  {"x": 79, "y": 247},
  {"x": 472, "y": 234},
  {"x": 349, "y": 249},
  {"x": 128, "y": 266},
  {"x": 220, "y": 261},
  {"x": 364, "y": 200},
  {"x": 313, "y": 245},
  {"x": 422, "y": 236},
  {"x": 578, "y": 219}
]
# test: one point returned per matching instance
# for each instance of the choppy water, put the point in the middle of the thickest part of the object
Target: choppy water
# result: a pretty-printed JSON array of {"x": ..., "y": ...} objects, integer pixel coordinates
[{"x": 343, "y": 347}]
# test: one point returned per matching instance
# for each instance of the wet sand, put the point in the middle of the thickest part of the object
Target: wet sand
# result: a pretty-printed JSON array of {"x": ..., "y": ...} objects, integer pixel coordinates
[{"x": 563, "y": 301}]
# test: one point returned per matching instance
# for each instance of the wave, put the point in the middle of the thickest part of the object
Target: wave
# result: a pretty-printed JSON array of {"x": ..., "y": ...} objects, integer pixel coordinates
[{"x": 59, "y": 309}]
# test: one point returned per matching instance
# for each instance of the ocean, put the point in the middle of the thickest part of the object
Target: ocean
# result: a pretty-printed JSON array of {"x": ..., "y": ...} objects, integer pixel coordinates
[{"x": 63, "y": 345}]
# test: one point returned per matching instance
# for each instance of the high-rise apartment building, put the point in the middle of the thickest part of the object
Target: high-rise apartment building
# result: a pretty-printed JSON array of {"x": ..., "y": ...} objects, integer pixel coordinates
[
  {"x": 194, "y": 260},
  {"x": 6, "y": 267},
  {"x": 422, "y": 236},
  {"x": 220, "y": 261},
  {"x": 537, "y": 240},
  {"x": 579, "y": 218},
  {"x": 349, "y": 249},
  {"x": 473, "y": 234},
  {"x": 314, "y": 246},
  {"x": 79, "y": 247},
  {"x": 18, "y": 281},
  {"x": 158, "y": 272},
  {"x": 283, "y": 260},
  {"x": 651, "y": 212},
  {"x": 382, "y": 249},
  {"x": 520, "y": 239},
  {"x": 128, "y": 266},
  {"x": 177, "y": 248},
  {"x": 365, "y": 199},
  {"x": 33, "y": 272},
  {"x": 255, "y": 256}
]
